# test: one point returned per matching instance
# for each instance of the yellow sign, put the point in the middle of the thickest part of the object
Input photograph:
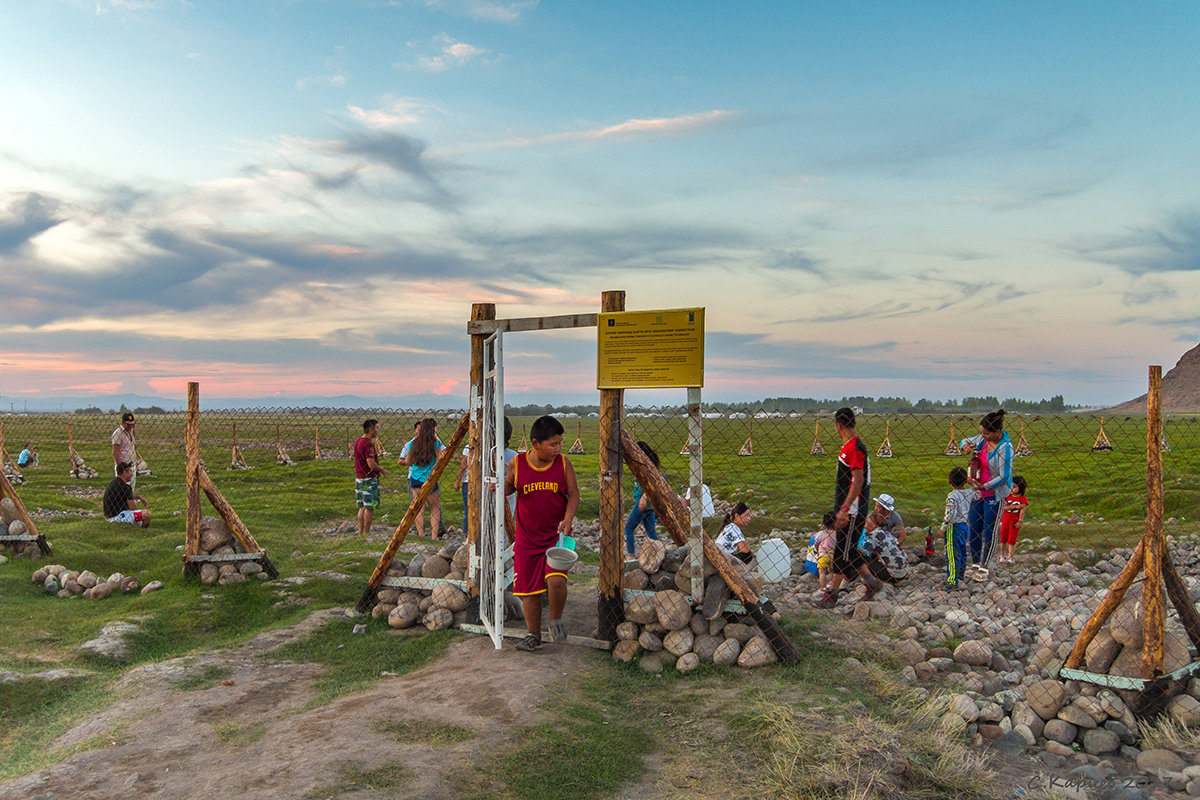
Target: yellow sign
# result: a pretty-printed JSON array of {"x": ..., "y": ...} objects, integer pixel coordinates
[{"x": 650, "y": 349}]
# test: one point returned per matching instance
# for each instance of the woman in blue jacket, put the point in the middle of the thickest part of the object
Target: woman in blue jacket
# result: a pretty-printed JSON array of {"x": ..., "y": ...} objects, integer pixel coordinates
[{"x": 995, "y": 451}]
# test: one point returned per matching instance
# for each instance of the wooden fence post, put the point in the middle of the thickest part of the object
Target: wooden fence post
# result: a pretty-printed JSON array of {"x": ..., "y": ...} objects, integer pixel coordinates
[
  {"x": 610, "y": 604},
  {"x": 479, "y": 311},
  {"x": 1153, "y": 612},
  {"x": 191, "y": 439}
]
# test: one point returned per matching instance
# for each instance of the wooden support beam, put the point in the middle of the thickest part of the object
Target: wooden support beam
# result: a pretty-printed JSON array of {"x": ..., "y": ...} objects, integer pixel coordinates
[
  {"x": 480, "y": 312},
  {"x": 1153, "y": 607},
  {"x": 7, "y": 490},
  {"x": 485, "y": 325},
  {"x": 191, "y": 441},
  {"x": 610, "y": 608},
  {"x": 227, "y": 513},
  {"x": 1116, "y": 593},
  {"x": 674, "y": 515},
  {"x": 1182, "y": 602},
  {"x": 449, "y": 453}
]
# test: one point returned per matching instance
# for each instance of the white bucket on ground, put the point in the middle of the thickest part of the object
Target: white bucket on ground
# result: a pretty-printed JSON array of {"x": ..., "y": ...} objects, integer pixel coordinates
[
  {"x": 774, "y": 560},
  {"x": 561, "y": 558}
]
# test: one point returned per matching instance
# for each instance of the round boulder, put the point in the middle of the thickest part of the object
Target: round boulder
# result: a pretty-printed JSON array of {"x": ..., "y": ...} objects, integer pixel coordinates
[
  {"x": 449, "y": 596},
  {"x": 679, "y": 642},
  {"x": 673, "y": 610},
  {"x": 727, "y": 652},
  {"x": 403, "y": 615},
  {"x": 435, "y": 567},
  {"x": 756, "y": 653},
  {"x": 438, "y": 619}
]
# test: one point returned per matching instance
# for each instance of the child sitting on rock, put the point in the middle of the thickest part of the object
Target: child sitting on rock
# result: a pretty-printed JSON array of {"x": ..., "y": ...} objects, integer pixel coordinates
[
  {"x": 731, "y": 539},
  {"x": 826, "y": 539}
]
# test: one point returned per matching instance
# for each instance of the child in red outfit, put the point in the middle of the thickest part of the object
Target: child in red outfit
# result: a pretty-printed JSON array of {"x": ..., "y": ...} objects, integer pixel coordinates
[
  {"x": 547, "y": 497},
  {"x": 1010, "y": 524}
]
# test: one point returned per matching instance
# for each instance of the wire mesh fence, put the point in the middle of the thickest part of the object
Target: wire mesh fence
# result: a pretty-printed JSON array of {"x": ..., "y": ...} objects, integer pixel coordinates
[{"x": 1085, "y": 477}]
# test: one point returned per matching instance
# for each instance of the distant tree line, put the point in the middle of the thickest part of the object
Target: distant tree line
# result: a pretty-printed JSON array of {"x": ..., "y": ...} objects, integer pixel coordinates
[
  {"x": 96, "y": 410},
  {"x": 869, "y": 405}
]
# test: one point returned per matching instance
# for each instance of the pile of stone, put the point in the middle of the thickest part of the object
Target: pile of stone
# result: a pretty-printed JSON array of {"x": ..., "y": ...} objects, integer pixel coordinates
[
  {"x": 439, "y": 608},
  {"x": 662, "y": 626},
  {"x": 284, "y": 459},
  {"x": 13, "y": 474},
  {"x": 81, "y": 470},
  {"x": 12, "y": 525},
  {"x": 992, "y": 651},
  {"x": 62, "y": 582},
  {"x": 217, "y": 539},
  {"x": 142, "y": 468}
]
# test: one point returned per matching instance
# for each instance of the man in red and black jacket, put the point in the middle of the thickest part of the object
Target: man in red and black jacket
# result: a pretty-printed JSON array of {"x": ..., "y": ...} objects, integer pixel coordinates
[{"x": 852, "y": 503}]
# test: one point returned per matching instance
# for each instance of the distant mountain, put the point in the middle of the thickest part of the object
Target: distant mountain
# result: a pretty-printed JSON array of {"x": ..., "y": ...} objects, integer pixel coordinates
[{"x": 1180, "y": 389}]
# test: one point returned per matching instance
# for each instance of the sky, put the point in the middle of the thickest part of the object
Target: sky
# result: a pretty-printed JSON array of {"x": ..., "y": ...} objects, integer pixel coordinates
[{"x": 296, "y": 198}]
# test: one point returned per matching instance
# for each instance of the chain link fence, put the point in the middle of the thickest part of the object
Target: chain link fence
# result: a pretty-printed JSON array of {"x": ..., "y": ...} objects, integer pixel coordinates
[{"x": 1000, "y": 634}]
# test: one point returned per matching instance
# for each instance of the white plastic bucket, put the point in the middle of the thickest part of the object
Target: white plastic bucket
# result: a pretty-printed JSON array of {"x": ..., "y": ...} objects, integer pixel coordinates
[
  {"x": 561, "y": 558},
  {"x": 774, "y": 560}
]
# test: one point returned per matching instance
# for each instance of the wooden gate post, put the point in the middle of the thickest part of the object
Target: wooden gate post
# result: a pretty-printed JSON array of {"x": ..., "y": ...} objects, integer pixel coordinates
[
  {"x": 610, "y": 607},
  {"x": 191, "y": 440},
  {"x": 479, "y": 311}
]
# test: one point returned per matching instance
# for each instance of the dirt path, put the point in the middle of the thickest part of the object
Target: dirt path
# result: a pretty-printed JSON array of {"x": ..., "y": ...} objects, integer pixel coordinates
[{"x": 167, "y": 742}]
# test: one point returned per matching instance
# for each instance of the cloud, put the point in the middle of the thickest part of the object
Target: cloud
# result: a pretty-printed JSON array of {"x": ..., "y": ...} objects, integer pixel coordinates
[
  {"x": 484, "y": 9},
  {"x": 1173, "y": 246},
  {"x": 104, "y": 6},
  {"x": 395, "y": 113},
  {"x": 27, "y": 216},
  {"x": 1148, "y": 292},
  {"x": 453, "y": 54},
  {"x": 398, "y": 152},
  {"x": 658, "y": 126},
  {"x": 912, "y": 138}
]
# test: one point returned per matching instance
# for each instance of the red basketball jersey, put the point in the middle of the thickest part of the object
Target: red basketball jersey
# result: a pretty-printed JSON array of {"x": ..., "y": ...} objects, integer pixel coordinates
[{"x": 541, "y": 501}]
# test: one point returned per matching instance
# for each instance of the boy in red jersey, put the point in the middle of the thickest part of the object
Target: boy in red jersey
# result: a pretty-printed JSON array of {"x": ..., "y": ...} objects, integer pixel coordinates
[{"x": 547, "y": 496}]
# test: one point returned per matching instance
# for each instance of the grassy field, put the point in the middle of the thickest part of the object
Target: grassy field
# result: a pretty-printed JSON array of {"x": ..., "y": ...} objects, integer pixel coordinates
[
  {"x": 291, "y": 510},
  {"x": 781, "y": 479}
]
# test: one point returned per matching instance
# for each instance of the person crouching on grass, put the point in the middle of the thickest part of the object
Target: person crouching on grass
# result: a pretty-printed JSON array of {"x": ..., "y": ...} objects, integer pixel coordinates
[
  {"x": 120, "y": 503},
  {"x": 547, "y": 496}
]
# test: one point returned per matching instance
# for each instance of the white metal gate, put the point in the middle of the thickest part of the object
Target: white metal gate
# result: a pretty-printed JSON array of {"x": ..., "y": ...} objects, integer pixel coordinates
[{"x": 492, "y": 538}]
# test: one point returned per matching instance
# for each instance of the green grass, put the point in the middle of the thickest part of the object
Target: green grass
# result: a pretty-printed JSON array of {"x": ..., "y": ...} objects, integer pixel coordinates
[
  {"x": 236, "y": 735},
  {"x": 423, "y": 731},
  {"x": 34, "y": 712},
  {"x": 208, "y": 677},
  {"x": 351, "y": 778},
  {"x": 355, "y": 661}
]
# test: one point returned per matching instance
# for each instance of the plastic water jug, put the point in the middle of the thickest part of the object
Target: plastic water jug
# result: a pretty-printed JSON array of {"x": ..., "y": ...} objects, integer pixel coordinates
[{"x": 774, "y": 560}]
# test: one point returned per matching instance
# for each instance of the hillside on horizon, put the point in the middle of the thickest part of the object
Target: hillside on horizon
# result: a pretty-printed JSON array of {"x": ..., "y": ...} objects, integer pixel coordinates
[{"x": 1180, "y": 388}]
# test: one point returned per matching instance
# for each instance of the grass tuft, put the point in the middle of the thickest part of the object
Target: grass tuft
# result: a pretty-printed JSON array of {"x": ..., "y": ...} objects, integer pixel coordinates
[
  {"x": 423, "y": 731},
  {"x": 236, "y": 735},
  {"x": 1167, "y": 733},
  {"x": 206, "y": 678},
  {"x": 808, "y": 755},
  {"x": 356, "y": 661},
  {"x": 352, "y": 778}
]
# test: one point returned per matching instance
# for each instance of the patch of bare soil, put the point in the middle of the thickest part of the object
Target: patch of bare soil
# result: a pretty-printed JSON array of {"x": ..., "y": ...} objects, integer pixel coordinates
[{"x": 170, "y": 743}]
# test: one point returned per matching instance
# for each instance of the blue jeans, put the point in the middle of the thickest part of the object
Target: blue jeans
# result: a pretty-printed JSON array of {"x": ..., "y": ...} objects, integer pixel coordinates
[
  {"x": 639, "y": 517},
  {"x": 464, "y": 494},
  {"x": 956, "y": 551},
  {"x": 982, "y": 522}
]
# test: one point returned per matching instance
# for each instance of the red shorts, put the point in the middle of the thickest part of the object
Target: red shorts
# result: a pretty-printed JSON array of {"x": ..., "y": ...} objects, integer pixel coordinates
[
  {"x": 530, "y": 571},
  {"x": 1008, "y": 530}
]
